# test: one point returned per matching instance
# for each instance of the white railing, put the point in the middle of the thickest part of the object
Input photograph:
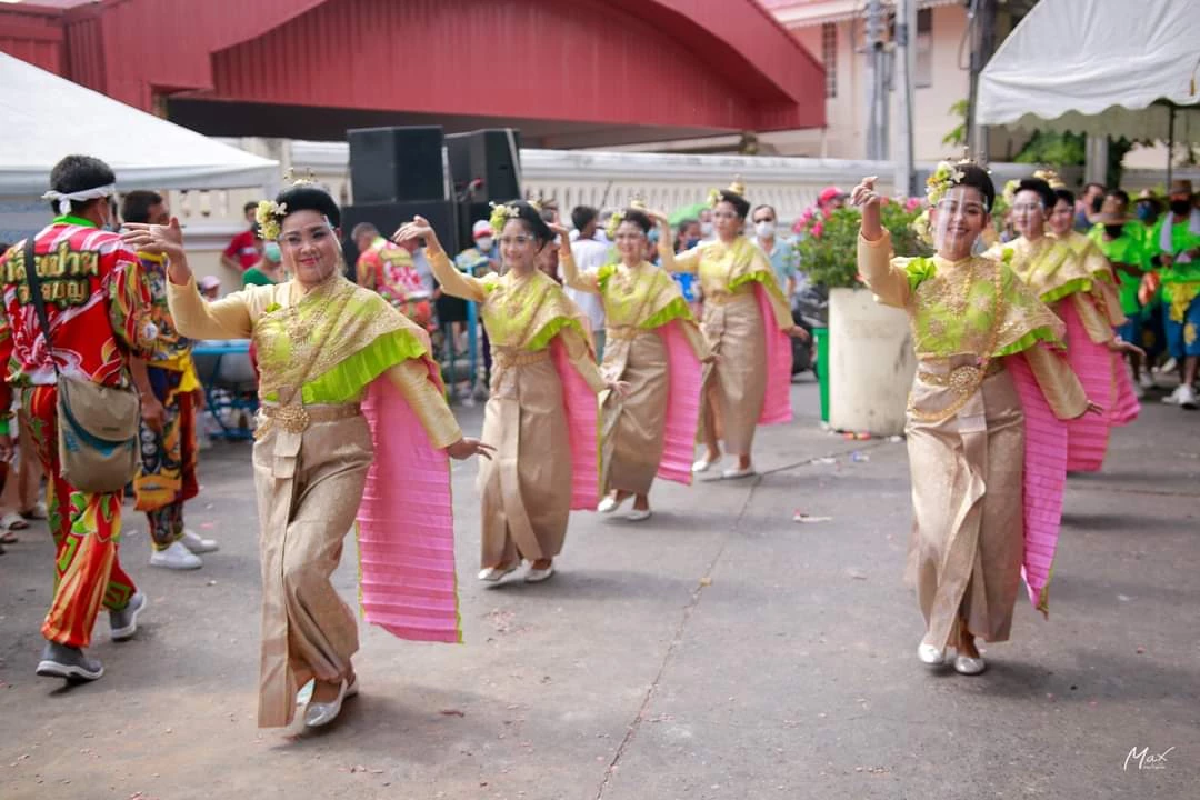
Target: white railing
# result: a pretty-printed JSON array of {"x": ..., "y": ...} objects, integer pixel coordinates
[{"x": 603, "y": 179}]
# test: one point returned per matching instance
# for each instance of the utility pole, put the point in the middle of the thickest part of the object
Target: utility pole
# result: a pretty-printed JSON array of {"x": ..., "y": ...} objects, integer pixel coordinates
[
  {"x": 875, "y": 144},
  {"x": 906, "y": 32},
  {"x": 982, "y": 20}
]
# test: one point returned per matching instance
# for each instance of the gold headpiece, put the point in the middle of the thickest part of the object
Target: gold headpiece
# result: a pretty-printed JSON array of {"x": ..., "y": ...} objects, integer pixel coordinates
[
  {"x": 269, "y": 214},
  {"x": 501, "y": 214},
  {"x": 737, "y": 187},
  {"x": 1050, "y": 177}
]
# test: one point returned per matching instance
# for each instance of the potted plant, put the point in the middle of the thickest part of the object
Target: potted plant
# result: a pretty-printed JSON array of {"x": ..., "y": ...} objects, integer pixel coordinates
[{"x": 869, "y": 360}]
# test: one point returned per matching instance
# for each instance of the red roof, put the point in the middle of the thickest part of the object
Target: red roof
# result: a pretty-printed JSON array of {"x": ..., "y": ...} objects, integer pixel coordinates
[{"x": 565, "y": 73}]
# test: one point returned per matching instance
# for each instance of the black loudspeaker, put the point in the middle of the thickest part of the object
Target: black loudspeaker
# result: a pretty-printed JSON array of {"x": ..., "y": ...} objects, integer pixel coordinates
[
  {"x": 468, "y": 215},
  {"x": 387, "y": 217},
  {"x": 390, "y": 165},
  {"x": 491, "y": 156}
]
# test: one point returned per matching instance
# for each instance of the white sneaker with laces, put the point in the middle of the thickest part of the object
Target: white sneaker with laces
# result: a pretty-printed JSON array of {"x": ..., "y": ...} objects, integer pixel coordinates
[
  {"x": 176, "y": 557},
  {"x": 197, "y": 544},
  {"x": 1173, "y": 398}
]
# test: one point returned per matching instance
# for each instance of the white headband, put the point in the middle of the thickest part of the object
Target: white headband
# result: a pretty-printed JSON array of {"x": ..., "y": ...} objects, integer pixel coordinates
[{"x": 64, "y": 199}]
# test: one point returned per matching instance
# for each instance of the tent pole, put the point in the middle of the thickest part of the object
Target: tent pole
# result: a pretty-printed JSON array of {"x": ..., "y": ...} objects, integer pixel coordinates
[{"x": 1170, "y": 141}]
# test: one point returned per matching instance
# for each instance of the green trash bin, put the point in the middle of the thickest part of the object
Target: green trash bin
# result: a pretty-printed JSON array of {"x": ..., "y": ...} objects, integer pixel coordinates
[{"x": 821, "y": 368}]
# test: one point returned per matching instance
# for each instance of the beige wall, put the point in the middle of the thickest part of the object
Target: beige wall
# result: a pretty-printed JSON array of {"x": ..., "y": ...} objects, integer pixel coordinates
[{"x": 846, "y": 136}]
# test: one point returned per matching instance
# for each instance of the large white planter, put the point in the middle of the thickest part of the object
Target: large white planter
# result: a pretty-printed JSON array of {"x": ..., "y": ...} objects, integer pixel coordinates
[{"x": 872, "y": 364}]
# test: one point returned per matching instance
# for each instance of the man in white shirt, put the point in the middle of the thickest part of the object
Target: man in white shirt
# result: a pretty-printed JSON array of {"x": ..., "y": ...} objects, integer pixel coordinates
[{"x": 590, "y": 254}]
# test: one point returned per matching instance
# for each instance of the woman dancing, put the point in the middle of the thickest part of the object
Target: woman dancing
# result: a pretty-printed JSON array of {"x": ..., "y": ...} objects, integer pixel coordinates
[
  {"x": 335, "y": 359},
  {"x": 1076, "y": 282},
  {"x": 542, "y": 413},
  {"x": 986, "y": 452},
  {"x": 654, "y": 345},
  {"x": 746, "y": 322}
]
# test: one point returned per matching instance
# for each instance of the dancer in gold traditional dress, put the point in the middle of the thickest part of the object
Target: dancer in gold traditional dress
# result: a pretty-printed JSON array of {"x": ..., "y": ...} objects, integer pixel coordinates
[
  {"x": 646, "y": 317},
  {"x": 543, "y": 425},
  {"x": 986, "y": 494},
  {"x": 746, "y": 321},
  {"x": 324, "y": 345}
]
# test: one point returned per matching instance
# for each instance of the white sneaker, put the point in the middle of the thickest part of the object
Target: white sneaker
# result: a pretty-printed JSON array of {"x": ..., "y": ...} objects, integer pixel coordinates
[
  {"x": 176, "y": 557},
  {"x": 197, "y": 544},
  {"x": 1187, "y": 398},
  {"x": 1169, "y": 366},
  {"x": 1173, "y": 398},
  {"x": 1146, "y": 381}
]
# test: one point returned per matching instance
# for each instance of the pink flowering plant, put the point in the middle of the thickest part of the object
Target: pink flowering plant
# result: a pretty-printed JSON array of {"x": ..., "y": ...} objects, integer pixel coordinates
[{"x": 828, "y": 247}]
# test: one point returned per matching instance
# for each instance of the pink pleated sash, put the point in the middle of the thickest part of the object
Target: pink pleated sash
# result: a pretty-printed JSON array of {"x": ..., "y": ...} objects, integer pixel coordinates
[
  {"x": 777, "y": 399},
  {"x": 683, "y": 406},
  {"x": 583, "y": 424},
  {"x": 1087, "y": 441},
  {"x": 408, "y": 584},
  {"x": 1127, "y": 406},
  {"x": 1044, "y": 480}
]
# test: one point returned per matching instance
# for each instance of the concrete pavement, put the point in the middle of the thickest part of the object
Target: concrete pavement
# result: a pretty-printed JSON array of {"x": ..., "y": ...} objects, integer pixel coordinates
[{"x": 720, "y": 650}]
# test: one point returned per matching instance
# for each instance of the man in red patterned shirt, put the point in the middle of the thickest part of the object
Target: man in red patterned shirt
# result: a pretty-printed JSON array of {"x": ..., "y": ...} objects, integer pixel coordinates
[{"x": 98, "y": 307}]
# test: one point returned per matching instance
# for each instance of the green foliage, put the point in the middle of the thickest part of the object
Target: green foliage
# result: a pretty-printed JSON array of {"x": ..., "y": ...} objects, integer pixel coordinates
[
  {"x": 1061, "y": 150},
  {"x": 829, "y": 249},
  {"x": 1056, "y": 150},
  {"x": 957, "y": 137}
]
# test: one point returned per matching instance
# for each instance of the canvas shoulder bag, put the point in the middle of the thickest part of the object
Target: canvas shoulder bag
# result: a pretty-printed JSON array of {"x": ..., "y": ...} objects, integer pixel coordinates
[{"x": 97, "y": 425}]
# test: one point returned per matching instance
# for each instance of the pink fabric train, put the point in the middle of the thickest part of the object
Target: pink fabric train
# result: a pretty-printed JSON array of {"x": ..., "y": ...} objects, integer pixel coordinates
[
  {"x": 1127, "y": 407},
  {"x": 1087, "y": 442},
  {"x": 1044, "y": 480},
  {"x": 583, "y": 424},
  {"x": 777, "y": 400},
  {"x": 405, "y": 527},
  {"x": 683, "y": 406}
]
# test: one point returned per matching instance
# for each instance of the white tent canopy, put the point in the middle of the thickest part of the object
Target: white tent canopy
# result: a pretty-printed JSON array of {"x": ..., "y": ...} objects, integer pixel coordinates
[
  {"x": 47, "y": 117},
  {"x": 1098, "y": 66}
]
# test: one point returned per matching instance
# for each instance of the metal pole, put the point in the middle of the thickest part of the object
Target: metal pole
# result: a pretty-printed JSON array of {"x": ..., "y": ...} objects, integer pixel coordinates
[
  {"x": 982, "y": 19},
  {"x": 874, "y": 52},
  {"x": 1170, "y": 142},
  {"x": 906, "y": 31}
]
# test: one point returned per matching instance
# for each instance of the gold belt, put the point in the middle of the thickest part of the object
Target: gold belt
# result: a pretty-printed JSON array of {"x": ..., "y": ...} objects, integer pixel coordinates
[
  {"x": 297, "y": 419},
  {"x": 505, "y": 359},
  {"x": 723, "y": 297},
  {"x": 626, "y": 333},
  {"x": 961, "y": 379}
]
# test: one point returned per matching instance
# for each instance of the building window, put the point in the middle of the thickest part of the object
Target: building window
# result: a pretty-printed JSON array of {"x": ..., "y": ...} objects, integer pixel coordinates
[
  {"x": 829, "y": 57},
  {"x": 923, "y": 70}
]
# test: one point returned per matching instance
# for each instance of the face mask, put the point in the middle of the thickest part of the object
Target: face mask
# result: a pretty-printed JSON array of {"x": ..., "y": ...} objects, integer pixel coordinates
[
  {"x": 1114, "y": 231},
  {"x": 764, "y": 229},
  {"x": 485, "y": 244},
  {"x": 271, "y": 251},
  {"x": 1145, "y": 213},
  {"x": 705, "y": 228},
  {"x": 1180, "y": 207}
]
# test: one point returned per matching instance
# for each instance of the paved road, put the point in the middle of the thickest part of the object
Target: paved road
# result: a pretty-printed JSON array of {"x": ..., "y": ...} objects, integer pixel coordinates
[{"x": 719, "y": 651}]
